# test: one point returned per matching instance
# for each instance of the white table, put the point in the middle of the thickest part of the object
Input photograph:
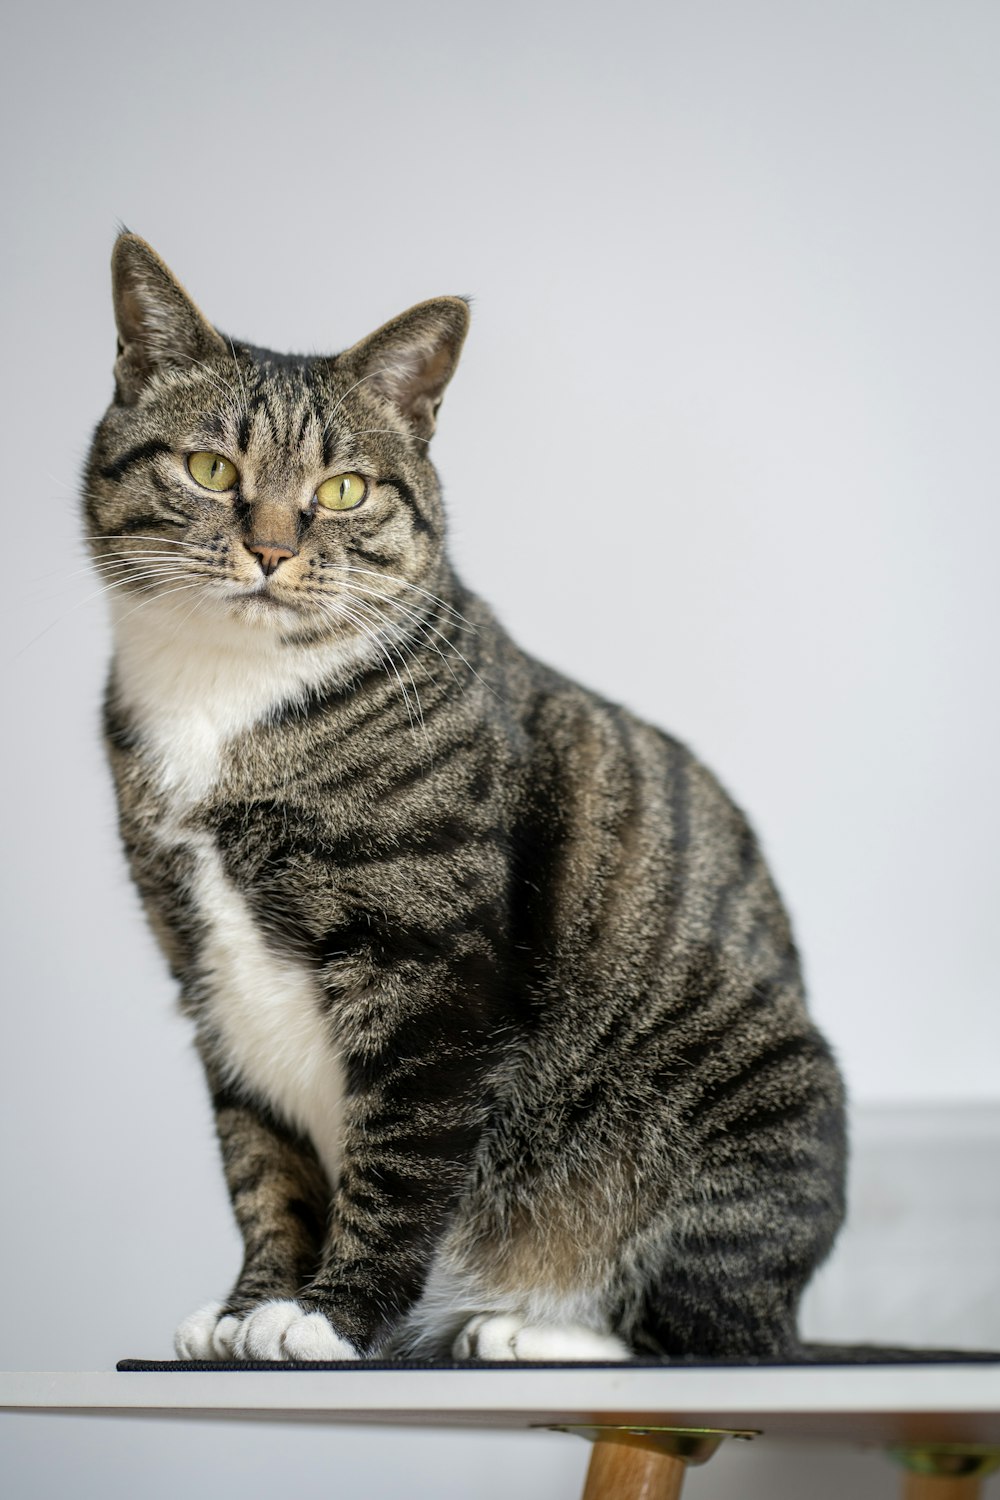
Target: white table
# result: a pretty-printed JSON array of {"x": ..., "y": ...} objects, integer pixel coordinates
[{"x": 914, "y": 1407}]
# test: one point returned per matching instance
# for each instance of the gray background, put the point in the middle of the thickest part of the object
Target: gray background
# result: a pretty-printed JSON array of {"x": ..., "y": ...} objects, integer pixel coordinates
[{"x": 722, "y": 445}]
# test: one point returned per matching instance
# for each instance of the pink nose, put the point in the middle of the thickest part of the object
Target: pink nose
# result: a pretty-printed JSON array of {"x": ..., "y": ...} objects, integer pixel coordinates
[{"x": 269, "y": 555}]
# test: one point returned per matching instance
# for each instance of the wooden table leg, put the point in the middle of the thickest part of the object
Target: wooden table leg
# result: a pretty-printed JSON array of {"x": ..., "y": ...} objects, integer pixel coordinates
[
  {"x": 947, "y": 1471},
  {"x": 621, "y": 1469},
  {"x": 941, "y": 1487},
  {"x": 646, "y": 1463}
]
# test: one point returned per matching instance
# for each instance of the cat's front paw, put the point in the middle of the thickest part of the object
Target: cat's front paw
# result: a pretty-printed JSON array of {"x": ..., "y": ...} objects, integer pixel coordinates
[
  {"x": 206, "y": 1334},
  {"x": 287, "y": 1331}
]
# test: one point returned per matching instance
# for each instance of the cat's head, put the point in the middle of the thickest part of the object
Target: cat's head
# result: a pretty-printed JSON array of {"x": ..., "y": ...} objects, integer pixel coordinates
[{"x": 291, "y": 495}]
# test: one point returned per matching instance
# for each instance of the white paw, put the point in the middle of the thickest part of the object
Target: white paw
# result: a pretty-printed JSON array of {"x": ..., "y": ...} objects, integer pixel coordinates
[
  {"x": 509, "y": 1336},
  {"x": 194, "y": 1338},
  {"x": 224, "y": 1336},
  {"x": 283, "y": 1330}
]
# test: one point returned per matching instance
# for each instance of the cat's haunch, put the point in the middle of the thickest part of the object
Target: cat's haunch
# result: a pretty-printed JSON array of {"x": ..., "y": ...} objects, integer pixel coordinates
[{"x": 500, "y": 1011}]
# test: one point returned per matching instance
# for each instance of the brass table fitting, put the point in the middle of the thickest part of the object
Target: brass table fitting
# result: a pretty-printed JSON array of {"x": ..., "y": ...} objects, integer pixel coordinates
[
  {"x": 692, "y": 1445},
  {"x": 948, "y": 1460}
]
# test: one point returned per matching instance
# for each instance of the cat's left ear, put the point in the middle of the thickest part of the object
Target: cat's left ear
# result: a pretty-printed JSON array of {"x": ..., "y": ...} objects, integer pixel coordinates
[
  {"x": 411, "y": 360},
  {"x": 158, "y": 324}
]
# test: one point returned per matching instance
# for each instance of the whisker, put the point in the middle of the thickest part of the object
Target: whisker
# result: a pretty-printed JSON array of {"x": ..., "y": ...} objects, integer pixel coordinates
[
  {"x": 110, "y": 581},
  {"x": 117, "y": 583},
  {"x": 372, "y": 611},
  {"x": 370, "y": 376},
  {"x": 103, "y": 559},
  {"x": 163, "y": 594},
  {"x": 420, "y": 622},
  {"x": 337, "y": 607},
  {"x": 448, "y": 643},
  {"x": 196, "y": 605},
  {"x": 85, "y": 568},
  {"x": 239, "y": 375},
  {"x": 391, "y": 430},
  {"x": 202, "y": 364},
  {"x": 102, "y": 591},
  {"x": 144, "y": 536},
  {"x": 149, "y": 554},
  {"x": 397, "y": 369},
  {"x": 72, "y": 489},
  {"x": 214, "y": 375},
  {"x": 387, "y": 651},
  {"x": 394, "y": 578}
]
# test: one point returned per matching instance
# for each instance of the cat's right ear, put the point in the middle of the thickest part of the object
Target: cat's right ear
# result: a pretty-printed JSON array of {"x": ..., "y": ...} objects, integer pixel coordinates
[{"x": 158, "y": 324}]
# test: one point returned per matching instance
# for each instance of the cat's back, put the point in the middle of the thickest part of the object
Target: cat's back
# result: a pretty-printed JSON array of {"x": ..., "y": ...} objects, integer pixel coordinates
[{"x": 632, "y": 842}]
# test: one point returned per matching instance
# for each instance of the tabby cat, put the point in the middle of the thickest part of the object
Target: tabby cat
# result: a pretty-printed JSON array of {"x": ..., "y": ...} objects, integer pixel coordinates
[{"x": 499, "y": 1009}]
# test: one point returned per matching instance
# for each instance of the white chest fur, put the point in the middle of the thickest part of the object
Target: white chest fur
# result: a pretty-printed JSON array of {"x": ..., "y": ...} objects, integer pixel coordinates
[
  {"x": 266, "y": 1011},
  {"x": 197, "y": 682},
  {"x": 192, "y": 693}
]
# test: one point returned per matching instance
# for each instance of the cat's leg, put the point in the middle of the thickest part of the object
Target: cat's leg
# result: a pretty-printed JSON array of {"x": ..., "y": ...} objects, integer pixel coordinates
[
  {"x": 729, "y": 1296},
  {"x": 699, "y": 1248},
  {"x": 680, "y": 1286},
  {"x": 724, "y": 1265},
  {"x": 414, "y": 1115},
  {"x": 280, "y": 1198},
  {"x": 387, "y": 1210},
  {"x": 529, "y": 1268}
]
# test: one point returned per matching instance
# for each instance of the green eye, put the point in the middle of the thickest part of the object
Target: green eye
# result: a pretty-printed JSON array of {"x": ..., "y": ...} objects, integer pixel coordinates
[
  {"x": 342, "y": 492},
  {"x": 212, "y": 471}
]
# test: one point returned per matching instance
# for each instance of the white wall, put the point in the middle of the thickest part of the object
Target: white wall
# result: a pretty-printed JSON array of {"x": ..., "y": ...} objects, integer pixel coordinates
[{"x": 732, "y": 383}]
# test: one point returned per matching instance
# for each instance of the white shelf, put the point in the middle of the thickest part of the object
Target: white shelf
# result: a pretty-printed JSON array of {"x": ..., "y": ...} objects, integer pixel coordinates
[{"x": 865, "y": 1404}]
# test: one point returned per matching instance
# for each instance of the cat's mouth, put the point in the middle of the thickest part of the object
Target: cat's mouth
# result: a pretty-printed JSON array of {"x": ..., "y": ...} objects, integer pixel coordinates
[
  {"x": 264, "y": 596},
  {"x": 261, "y": 603}
]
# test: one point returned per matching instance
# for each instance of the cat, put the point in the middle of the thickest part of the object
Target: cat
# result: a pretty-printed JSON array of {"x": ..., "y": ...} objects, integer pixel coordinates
[{"x": 500, "y": 1012}]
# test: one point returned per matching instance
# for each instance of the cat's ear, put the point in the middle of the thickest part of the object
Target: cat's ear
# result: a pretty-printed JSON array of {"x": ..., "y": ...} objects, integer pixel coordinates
[
  {"x": 158, "y": 324},
  {"x": 412, "y": 359}
]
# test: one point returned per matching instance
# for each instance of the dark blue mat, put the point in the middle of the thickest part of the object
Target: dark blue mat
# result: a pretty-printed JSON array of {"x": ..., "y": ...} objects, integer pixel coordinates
[{"x": 813, "y": 1355}]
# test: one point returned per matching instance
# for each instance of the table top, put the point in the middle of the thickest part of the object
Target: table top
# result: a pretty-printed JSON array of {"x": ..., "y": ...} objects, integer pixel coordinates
[{"x": 893, "y": 1404}]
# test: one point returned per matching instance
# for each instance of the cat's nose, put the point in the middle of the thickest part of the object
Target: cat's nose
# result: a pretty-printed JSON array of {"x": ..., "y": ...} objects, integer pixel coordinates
[{"x": 269, "y": 555}]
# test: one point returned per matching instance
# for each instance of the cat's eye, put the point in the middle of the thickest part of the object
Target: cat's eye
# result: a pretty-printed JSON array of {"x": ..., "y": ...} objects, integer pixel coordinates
[
  {"x": 342, "y": 492},
  {"x": 212, "y": 471}
]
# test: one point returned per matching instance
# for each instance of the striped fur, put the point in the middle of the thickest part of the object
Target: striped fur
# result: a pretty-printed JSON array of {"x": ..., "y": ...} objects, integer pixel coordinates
[{"x": 500, "y": 1010}]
